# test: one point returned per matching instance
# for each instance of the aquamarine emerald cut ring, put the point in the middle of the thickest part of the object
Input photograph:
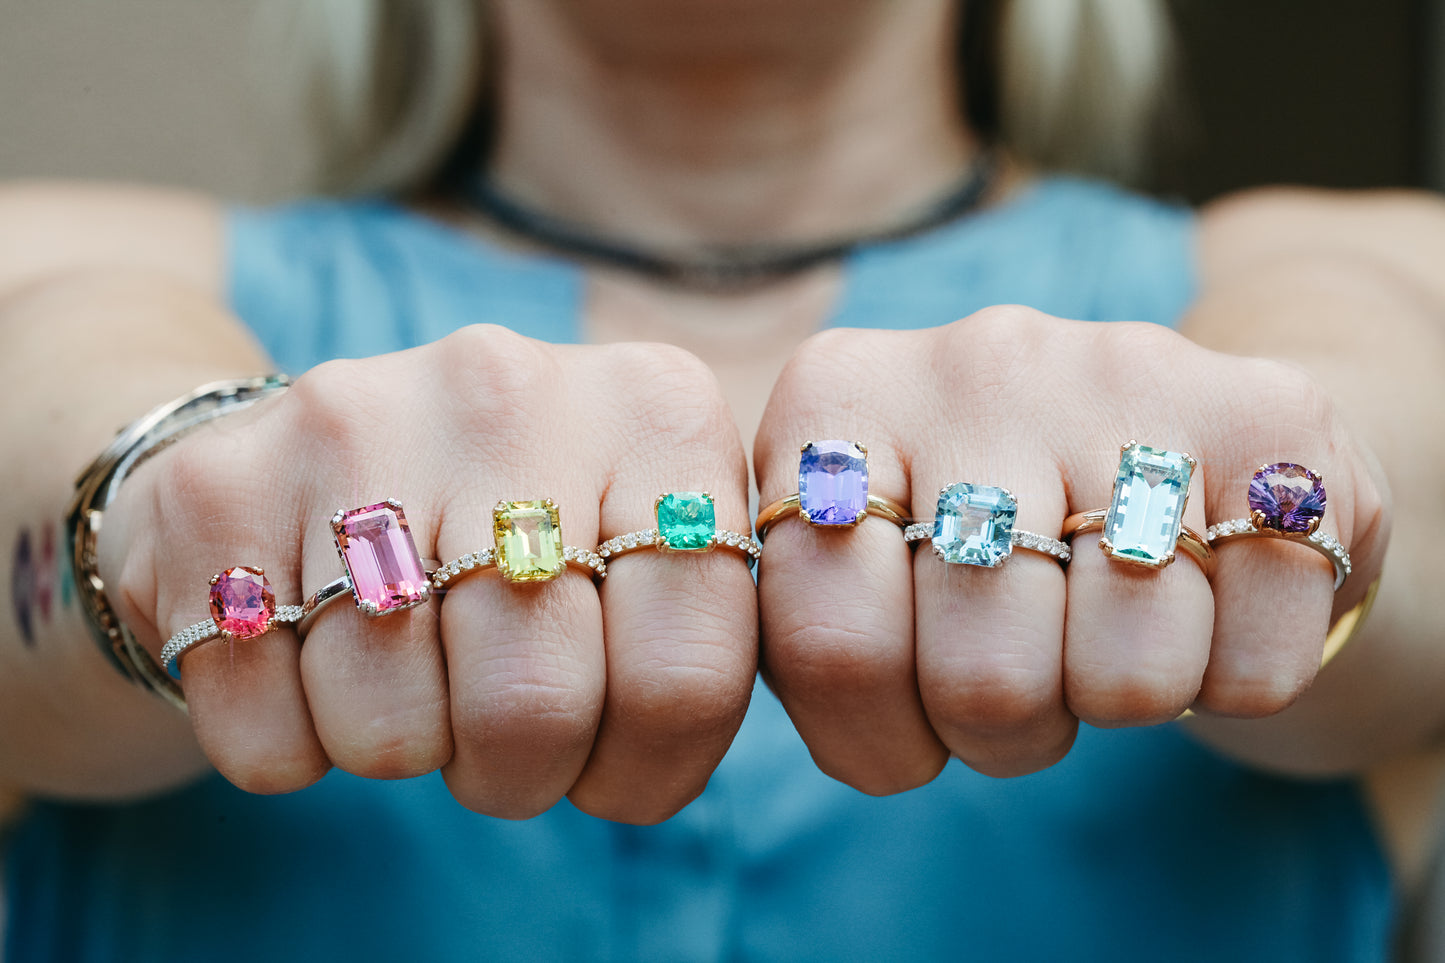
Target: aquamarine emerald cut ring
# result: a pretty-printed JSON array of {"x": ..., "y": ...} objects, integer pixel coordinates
[
  {"x": 1144, "y": 524},
  {"x": 974, "y": 525}
]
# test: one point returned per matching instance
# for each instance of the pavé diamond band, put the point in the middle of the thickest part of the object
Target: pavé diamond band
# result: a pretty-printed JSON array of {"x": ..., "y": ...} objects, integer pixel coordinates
[
  {"x": 973, "y": 525},
  {"x": 243, "y": 606},
  {"x": 528, "y": 547},
  {"x": 1287, "y": 501},
  {"x": 686, "y": 522},
  {"x": 832, "y": 490}
]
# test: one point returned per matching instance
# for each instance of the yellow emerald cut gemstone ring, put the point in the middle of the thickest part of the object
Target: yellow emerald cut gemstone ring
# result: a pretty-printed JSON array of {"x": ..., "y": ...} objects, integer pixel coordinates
[{"x": 528, "y": 547}]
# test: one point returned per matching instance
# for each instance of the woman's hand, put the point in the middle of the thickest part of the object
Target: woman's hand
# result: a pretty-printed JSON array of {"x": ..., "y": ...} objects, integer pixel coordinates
[
  {"x": 889, "y": 660},
  {"x": 623, "y": 696}
]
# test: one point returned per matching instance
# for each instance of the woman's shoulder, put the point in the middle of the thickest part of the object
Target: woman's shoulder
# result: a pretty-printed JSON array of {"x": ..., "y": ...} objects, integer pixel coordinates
[{"x": 51, "y": 227}]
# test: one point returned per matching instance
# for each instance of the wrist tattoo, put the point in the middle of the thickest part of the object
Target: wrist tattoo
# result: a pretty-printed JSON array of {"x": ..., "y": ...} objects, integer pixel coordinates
[{"x": 36, "y": 572}]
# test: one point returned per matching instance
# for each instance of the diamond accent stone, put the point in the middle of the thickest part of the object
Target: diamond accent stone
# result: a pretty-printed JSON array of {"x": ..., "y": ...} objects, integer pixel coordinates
[
  {"x": 833, "y": 482},
  {"x": 974, "y": 524},
  {"x": 686, "y": 521},
  {"x": 376, "y": 546},
  {"x": 1151, "y": 490},
  {"x": 242, "y": 603},
  {"x": 529, "y": 540},
  {"x": 1288, "y": 498}
]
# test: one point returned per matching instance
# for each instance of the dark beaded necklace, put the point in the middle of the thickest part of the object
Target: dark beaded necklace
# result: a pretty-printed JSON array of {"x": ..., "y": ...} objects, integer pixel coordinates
[{"x": 722, "y": 266}]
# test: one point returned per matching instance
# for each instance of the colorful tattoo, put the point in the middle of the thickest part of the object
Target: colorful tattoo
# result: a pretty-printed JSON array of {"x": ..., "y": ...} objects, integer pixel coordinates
[
  {"x": 45, "y": 572},
  {"x": 36, "y": 578},
  {"x": 22, "y": 587},
  {"x": 65, "y": 576}
]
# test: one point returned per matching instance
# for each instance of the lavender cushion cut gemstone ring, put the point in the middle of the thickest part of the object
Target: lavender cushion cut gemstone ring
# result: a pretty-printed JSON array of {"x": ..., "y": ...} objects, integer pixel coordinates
[
  {"x": 833, "y": 482},
  {"x": 1287, "y": 498}
]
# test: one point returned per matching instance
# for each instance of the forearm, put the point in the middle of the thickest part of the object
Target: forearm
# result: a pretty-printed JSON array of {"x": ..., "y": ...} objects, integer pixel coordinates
[
  {"x": 1374, "y": 339},
  {"x": 87, "y": 353}
]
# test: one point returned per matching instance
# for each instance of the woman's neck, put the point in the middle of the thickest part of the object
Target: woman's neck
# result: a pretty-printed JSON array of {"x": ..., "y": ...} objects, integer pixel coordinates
[{"x": 682, "y": 123}]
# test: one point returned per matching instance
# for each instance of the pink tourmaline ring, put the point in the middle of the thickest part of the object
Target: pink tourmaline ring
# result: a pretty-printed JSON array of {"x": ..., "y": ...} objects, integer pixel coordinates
[
  {"x": 242, "y": 607},
  {"x": 384, "y": 572},
  {"x": 1287, "y": 501}
]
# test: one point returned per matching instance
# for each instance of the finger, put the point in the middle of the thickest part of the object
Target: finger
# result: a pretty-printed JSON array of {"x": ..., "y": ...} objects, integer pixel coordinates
[
  {"x": 1273, "y": 598},
  {"x": 1137, "y": 638},
  {"x": 245, "y": 697},
  {"x": 681, "y": 634},
  {"x": 990, "y": 639},
  {"x": 376, "y": 685},
  {"x": 525, "y": 667},
  {"x": 836, "y": 605},
  {"x": 680, "y": 626}
]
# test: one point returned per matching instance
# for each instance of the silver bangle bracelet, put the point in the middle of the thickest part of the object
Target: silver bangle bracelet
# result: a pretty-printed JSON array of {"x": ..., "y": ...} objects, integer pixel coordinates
[{"x": 96, "y": 488}]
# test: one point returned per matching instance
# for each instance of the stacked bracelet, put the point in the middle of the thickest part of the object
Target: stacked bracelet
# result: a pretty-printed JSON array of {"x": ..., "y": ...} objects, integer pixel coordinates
[{"x": 96, "y": 488}]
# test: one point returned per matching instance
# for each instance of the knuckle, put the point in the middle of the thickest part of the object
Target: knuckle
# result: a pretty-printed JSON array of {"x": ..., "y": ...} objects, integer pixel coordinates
[
  {"x": 1139, "y": 353},
  {"x": 385, "y": 749},
  {"x": 638, "y": 808},
  {"x": 268, "y": 773},
  {"x": 1285, "y": 398},
  {"x": 535, "y": 710},
  {"x": 1254, "y": 695},
  {"x": 499, "y": 799},
  {"x": 830, "y": 660},
  {"x": 668, "y": 392},
  {"x": 676, "y": 702},
  {"x": 989, "y": 697},
  {"x": 1001, "y": 327},
  {"x": 1007, "y": 759},
  {"x": 204, "y": 482},
  {"x": 832, "y": 357},
  {"x": 986, "y": 360},
  {"x": 1140, "y": 340},
  {"x": 330, "y": 401},
  {"x": 1129, "y": 697},
  {"x": 885, "y": 777},
  {"x": 494, "y": 376}
]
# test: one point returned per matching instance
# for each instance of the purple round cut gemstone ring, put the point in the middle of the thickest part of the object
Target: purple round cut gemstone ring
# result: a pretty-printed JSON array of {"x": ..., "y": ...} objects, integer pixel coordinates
[
  {"x": 1287, "y": 501},
  {"x": 1287, "y": 498},
  {"x": 832, "y": 490}
]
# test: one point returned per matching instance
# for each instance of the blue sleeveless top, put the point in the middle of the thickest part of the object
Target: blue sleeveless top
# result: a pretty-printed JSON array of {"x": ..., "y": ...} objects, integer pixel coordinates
[{"x": 1138, "y": 846}]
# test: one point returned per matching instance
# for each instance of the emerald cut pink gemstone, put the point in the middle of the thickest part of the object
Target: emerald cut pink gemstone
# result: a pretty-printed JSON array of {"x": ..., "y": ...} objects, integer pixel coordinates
[
  {"x": 375, "y": 543},
  {"x": 242, "y": 602}
]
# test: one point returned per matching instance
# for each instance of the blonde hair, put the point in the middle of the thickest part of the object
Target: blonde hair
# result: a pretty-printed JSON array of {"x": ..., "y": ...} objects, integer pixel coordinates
[
  {"x": 390, "y": 85},
  {"x": 1081, "y": 82}
]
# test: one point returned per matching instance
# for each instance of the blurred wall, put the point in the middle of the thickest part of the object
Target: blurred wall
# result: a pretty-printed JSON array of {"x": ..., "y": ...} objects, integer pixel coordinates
[
  {"x": 1330, "y": 92},
  {"x": 140, "y": 90},
  {"x": 1341, "y": 93}
]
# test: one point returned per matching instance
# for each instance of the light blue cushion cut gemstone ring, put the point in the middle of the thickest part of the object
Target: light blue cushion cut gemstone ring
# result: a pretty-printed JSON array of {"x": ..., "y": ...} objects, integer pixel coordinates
[{"x": 974, "y": 525}]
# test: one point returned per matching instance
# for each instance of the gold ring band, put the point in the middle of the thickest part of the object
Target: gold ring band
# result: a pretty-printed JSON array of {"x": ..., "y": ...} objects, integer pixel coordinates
[
  {"x": 885, "y": 508},
  {"x": 1197, "y": 548}
]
